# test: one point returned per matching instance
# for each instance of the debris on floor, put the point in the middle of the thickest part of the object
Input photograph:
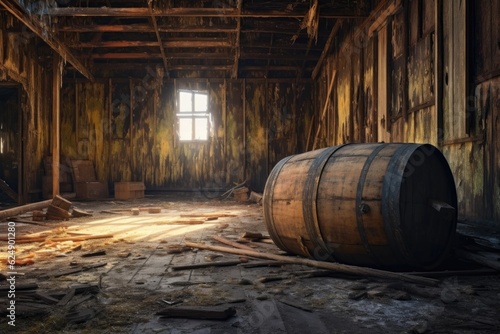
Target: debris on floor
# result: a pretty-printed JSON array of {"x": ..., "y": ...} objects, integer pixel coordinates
[{"x": 154, "y": 272}]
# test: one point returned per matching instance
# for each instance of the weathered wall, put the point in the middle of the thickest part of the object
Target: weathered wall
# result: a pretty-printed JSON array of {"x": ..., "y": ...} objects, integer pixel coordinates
[
  {"x": 128, "y": 128},
  {"x": 425, "y": 71},
  {"x": 19, "y": 64}
]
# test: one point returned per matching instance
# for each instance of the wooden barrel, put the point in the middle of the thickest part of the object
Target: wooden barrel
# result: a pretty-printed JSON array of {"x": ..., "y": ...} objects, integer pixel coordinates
[{"x": 380, "y": 205}]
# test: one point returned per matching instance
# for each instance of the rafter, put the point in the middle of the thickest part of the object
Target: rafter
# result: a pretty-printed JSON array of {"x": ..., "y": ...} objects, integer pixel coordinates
[
  {"x": 326, "y": 49},
  {"x": 158, "y": 37},
  {"x": 234, "y": 73},
  {"x": 181, "y": 43},
  {"x": 35, "y": 26},
  {"x": 127, "y": 28},
  {"x": 190, "y": 12}
]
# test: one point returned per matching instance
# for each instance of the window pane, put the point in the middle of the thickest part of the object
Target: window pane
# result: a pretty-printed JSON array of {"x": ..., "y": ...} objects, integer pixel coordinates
[
  {"x": 201, "y": 128},
  {"x": 185, "y": 128},
  {"x": 185, "y": 102},
  {"x": 200, "y": 102}
]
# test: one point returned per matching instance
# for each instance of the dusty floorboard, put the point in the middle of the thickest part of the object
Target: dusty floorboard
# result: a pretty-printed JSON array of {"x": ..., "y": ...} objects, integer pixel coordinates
[{"x": 137, "y": 281}]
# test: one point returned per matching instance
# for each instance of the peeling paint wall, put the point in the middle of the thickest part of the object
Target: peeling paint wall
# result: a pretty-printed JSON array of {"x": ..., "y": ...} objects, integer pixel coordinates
[
  {"x": 19, "y": 64},
  {"x": 129, "y": 129},
  {"x": 408, "y": 78}
]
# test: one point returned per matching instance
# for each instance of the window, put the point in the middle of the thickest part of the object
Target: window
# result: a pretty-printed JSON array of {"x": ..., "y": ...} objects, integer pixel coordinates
[{"x": 193, "y": 116}]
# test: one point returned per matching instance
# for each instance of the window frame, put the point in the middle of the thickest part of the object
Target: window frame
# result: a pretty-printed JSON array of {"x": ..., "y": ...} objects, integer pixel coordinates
[{"x": 193, "y": 115}]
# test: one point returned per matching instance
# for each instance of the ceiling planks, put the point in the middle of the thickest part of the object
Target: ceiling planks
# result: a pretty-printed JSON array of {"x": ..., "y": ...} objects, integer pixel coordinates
[{"x": 225, "y": 39}]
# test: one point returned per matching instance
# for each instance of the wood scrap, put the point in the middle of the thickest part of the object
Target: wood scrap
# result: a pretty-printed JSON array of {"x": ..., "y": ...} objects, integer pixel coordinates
[
  {"x": 61, "y": 202},
  {"x": 344, "y": 268},
  {"x": 181, "y": 222},
  {"x": 295, "y": 304},
  {"x": 198, "y": 313},
  {"x": 30, "y": 222},
  {"x": 230, "y": 191},
  {"x": 264, "y": 264},
  {"x": 24, "y": 208},
  {"x": 29, "y": 240},
  {"x": 79, "y": 270},
  {"x": 231, "y": 243},
  {"x": 70, "y": 294},
  {"x": 449, "y": 273},
  {"x": 20, "y": 286},
  {"x": 80, "y": 316},
  {"x": 255, "y": 197},
  {"x": 271, "y": 278},
  {"x": 47, "y": 299},
  {"x": 206, "y": 265},
  {"x": 75, "y": 212},
  {"x": 94, "y": 253},
  {"x": 177, "y": 249},
  {"x": 207, "y": 215},
  {"x": 266, "y": 241},
  {"x": 37, "y": 215},
  {"x": 82, "y": 238},
  {"x": 57, "y": 213},
  {"x": 254, "y": 235},
  {"x": 485, "y": 260}
]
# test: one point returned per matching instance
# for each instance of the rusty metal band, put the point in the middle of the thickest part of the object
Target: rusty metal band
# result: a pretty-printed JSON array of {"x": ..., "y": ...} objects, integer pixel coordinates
[
  {"x": 309, "y": 198},
  {"x": 268, "y": 194},
  {"x": 359, "y": 199}
]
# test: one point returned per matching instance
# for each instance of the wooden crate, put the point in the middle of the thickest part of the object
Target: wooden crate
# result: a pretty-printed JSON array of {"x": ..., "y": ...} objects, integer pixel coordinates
[
  {"x": 91, "y": 190},
  {"x": 129, "y": 190}
]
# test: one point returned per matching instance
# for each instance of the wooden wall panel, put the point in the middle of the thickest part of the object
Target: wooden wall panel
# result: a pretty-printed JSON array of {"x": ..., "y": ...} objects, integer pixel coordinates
[
  {"x": 405, "y": 82},
  {"x": 235, "y": 133},
  {"x": 256, "y": 131},
  {"x": 19, "y": 64},
  {"x": 254, "y": 123},
  {"x": 370, "y": 91}
]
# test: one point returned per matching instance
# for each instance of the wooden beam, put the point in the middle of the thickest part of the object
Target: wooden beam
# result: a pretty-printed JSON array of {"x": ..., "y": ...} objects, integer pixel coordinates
[
  {"x": 234, "y": 72},
  {"x": 271, "y": 68},
  {"x": 158, "y": 37},
  {"x": 35, "y": 26},
  {"x": 185, "y": 43},
  {"x": 338, "y": 267},
  {"x": 124, "y": 55},
  {"x": 56, "y": 121},
  {"x": 326, "y": 49},
  {"x": 115, "y": 44},
  {"x": 144, "y": 28},
  {"x": 198, "y": 43},
  {"x": 325, "y": 107},
  {"x": 190, "y": 12}
]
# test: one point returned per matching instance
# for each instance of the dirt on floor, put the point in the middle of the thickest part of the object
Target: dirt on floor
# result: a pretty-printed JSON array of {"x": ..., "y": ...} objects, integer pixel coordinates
[{"x": 120, "y": 271}]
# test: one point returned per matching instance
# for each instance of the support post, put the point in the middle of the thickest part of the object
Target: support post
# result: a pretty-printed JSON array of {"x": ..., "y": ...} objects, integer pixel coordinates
[{"x": 56, "y": 118}]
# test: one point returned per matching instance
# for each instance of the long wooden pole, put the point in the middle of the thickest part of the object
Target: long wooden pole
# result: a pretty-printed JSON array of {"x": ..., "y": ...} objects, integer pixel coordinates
[
  {"x": 327, "y": 102},
  {"x": 24, "y": 208},
  {"x": 56, "y": 117},
  {"x": 343, "y": 268},
  {"x": 29, "y": 207}
]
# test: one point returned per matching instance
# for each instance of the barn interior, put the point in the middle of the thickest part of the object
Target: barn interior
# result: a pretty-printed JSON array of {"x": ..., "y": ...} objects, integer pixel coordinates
[{"x": 143, "y": 150}]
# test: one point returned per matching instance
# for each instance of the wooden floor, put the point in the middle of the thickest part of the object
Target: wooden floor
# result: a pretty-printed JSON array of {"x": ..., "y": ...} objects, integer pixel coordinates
[{"x": 119, "y": 284}]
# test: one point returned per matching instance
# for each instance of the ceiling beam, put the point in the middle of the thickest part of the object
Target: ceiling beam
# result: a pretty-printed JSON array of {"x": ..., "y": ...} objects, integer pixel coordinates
[
  {"x": 115, "y": 44},
  {"x": 158, "y": 37},
  {"x": 234, "y": 72},
  {"x": 326, "y": 49},
  {"x": 35, "y": 26},
  {"x": 192, "y": 43},
  {"x": 170, "y": 56},
  {"x": 144, "y": 28},
  {"x": 189, "y": 12}
]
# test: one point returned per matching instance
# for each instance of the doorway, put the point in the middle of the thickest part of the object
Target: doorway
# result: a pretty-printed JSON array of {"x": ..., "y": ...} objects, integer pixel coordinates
[{"x": 9, "y": 144}]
